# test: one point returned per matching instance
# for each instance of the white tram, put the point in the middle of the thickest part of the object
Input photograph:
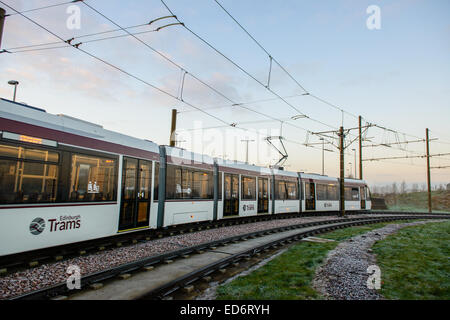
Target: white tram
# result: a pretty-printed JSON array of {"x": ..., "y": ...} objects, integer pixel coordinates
[{"x": 65, "y": 180}]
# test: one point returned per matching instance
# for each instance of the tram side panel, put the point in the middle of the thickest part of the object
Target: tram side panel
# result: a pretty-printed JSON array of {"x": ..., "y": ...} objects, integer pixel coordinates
[
  {"x": 327, "y": 196},
  {"x": 189, "y": 195},
  {"x": 55, "y": 195},
  {"x": 352, "y": 198},
  {"x": 368, "y": 202},
  {"x": 248, "y": 204},
  {"x": 286, "y": 195},
  {"x": 26, "y": 229}
]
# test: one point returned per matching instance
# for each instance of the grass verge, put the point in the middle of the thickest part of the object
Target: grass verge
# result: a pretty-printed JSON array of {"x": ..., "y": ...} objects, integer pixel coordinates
[
  {"x": 415, "y": 263},
  {"x": 289, "y": 276}
]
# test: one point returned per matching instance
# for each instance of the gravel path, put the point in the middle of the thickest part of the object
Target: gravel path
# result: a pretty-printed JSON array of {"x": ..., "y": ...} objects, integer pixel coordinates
[
  {"x": 54, "y": 273},
  {"x": 344, "y": 275}
]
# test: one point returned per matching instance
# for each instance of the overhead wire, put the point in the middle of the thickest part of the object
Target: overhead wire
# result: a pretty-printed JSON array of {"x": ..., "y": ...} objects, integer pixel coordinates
[
  {"x": 192, "y": 75},
  {"x": 246, "y": 72},
  {"x": 286, "y": 71},
  {"x": 198, "y": 109},
  {"x": 42, "y": 8},
  {"x": 112, "y": 65},
  {"x": 134, "y": 35},
  {"x": 121, "y": 70},
  {"x": 195, "y": 77},
  {"x": 251, "y": 76},
  {"x": 82, "y": 36}
]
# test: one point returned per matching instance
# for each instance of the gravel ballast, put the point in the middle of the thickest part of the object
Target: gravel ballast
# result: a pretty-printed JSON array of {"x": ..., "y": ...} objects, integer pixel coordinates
[
  {"x": 50, "y": 274},
  {"x": 343, "y": 276}
]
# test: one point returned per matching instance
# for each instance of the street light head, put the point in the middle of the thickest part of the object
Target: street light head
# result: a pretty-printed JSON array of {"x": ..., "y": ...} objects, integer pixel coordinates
[{"x": 13, "y": 82}]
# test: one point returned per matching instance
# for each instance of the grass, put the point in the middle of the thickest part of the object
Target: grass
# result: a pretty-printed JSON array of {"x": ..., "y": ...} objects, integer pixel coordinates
[
  {"x": 289, "y": 276},
  {"x": 415, "y": 263},
  {"x": 418, "y": 201},
  {"x": 409, "y": 208}
]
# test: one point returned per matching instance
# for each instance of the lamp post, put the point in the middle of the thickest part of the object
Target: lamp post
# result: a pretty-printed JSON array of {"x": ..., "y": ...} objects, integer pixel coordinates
[{"x": 14, "y": 83}]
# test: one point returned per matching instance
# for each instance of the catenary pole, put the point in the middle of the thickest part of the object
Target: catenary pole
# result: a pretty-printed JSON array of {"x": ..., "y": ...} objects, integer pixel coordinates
[
  {"x": 173, "y": 127},
  {"x": 428, "y": 171}
]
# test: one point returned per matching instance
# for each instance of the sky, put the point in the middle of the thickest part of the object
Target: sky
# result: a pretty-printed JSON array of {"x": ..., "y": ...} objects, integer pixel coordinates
[{"x": 396, "y": 76}]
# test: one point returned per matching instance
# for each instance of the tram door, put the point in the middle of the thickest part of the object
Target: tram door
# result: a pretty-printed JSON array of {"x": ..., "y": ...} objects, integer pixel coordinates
[
  {"x": 231, "y": 203},
  {"x": 263, "y": 195},
  {"x": 310, "y": 196},
  {"x": 362, "y": 193},
  {"x": 136, "y": 187}
]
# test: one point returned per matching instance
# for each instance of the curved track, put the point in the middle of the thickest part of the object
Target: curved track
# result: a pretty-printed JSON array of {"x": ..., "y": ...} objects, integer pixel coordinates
[
  {"x": 297, "y": 232},
  {"x": 14, "y": 262}
]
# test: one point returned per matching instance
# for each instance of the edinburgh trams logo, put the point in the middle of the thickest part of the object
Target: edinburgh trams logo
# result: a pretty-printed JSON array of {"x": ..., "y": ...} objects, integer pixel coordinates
[
  {"x": 62, "y": 223},
  {"x": 37, "y": 226},
  {"x": 248, "y": 207}
]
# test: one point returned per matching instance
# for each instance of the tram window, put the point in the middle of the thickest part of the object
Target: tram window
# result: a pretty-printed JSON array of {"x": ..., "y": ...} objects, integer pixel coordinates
[
  {"x": 292, "y": 190},
  {"x": 367, "y": 193},
  {"x": 321, "y": 190},
  {"x": 327, "y": 192},
  {"x": 28, "y": 175},
  {"x": 187, "y": 183},
  {"x": 203, "y": 187},
  {"x": 332, "y": 192},
  {"x": 355, "y": 194},
  {"x": 285, "y": 190},
  {"x": 92, "y": 178},
  {"x": 362, "y": 193},
  {"x": 248, "y": 188},
  {"x": 351, "y": 194},
  {"x": 309, "y": 191},
  {"x": 170, "y": 182},
  {"x": 156, "y": 182},
  {"x": 280, "y": 190},
  {"x": 348, "y": 193}
]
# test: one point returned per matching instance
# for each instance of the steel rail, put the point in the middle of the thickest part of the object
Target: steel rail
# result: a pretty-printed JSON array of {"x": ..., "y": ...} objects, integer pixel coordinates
[
  {"x": 61, "y": 289},
  {"x": 19, "y": 261},
  {"x": 174, "y": 285}
]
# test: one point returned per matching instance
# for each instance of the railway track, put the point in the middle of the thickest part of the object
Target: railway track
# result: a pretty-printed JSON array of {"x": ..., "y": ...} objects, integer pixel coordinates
[
  {"x": 17, "y": 262},
  {"x": 297, "y": 232}
]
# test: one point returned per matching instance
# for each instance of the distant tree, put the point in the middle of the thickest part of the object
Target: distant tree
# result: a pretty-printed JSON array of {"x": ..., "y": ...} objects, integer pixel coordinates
[
  {"x": 424, "y": 187},
  {"x": 375, "y": 189},
  {"x": 403, "y": 187},
  {"x": 415, "y": 187},
  {"x": 394, "y": 188}
]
